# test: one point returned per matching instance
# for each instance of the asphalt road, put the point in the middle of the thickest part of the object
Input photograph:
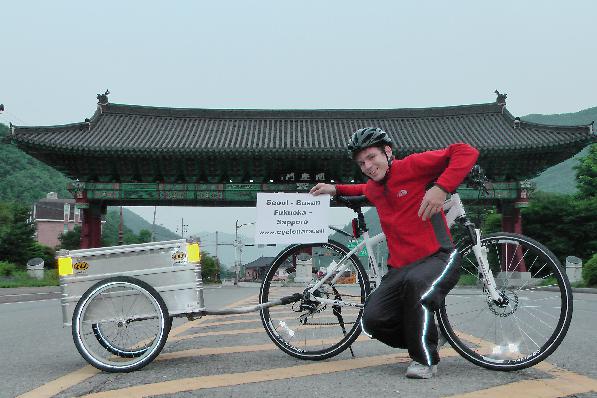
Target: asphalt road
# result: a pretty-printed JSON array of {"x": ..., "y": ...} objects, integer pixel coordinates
[{"x": 231, "y": 356}]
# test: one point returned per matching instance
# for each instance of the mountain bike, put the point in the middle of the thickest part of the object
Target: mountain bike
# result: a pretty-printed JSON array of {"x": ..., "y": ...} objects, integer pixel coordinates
[{"x": 510, "y": 310}]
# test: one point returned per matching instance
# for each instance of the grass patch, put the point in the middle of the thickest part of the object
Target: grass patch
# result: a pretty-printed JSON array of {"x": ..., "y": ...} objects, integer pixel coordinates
[
  {"x": 22, "y": 279},
  {"x": 549, "y": 281},
  {"x": 579, "y": 284},
  {"x": 467, "y": 280}
]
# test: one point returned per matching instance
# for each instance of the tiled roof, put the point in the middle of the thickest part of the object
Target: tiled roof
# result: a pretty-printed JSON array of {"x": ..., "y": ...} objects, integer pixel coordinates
[
  {"x": 53, "y": 209},
  {"x": 297, "y": 135},
  {"x": 261, "y": 262}
]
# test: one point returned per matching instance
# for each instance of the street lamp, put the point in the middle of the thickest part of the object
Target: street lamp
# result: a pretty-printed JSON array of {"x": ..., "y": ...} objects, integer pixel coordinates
[{"x": 237, "y": 246}]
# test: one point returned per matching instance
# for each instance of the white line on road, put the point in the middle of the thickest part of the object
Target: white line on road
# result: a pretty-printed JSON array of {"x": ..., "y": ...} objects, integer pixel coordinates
[
  {"x": 27, "y": 294},
  {"x": 31, "y": 301}
]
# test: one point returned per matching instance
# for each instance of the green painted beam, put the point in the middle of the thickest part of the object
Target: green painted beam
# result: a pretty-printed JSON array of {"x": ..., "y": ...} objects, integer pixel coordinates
[{"x": 231, "y": 193}]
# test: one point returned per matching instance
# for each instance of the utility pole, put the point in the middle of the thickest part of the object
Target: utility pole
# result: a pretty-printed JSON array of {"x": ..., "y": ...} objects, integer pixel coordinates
[
  {"x": 120, "y": 232},
  {"x": 237, "y": 252},
  {"x": 153, "y": 225},
  {"x": 183, "y": 228}
]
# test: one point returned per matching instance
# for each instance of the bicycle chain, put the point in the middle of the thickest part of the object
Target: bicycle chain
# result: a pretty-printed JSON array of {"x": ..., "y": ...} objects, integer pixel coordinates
[{"x": 329, "y": 323}]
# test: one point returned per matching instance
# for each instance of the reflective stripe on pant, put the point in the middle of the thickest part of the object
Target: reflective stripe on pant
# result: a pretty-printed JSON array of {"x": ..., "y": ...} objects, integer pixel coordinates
[{"x": 400, "y": 311}]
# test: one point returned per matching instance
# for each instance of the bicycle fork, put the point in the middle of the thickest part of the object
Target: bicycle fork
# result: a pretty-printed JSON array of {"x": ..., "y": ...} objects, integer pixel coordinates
[{"x": 481, "y": 256}]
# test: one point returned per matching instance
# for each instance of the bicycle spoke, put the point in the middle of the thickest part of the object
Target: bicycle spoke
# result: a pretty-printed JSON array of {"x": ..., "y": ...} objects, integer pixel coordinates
[
  {"x": 527, "y": 323},
  {"x": 311, "y": 328}
]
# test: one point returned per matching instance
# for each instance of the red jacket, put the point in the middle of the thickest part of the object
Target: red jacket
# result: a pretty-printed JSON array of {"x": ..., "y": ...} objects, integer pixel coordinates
[{"x": 398, "y": 198}]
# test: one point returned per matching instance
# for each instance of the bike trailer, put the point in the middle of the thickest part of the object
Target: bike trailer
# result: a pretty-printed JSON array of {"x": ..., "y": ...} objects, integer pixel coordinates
[{"x": 171, "y": 267}]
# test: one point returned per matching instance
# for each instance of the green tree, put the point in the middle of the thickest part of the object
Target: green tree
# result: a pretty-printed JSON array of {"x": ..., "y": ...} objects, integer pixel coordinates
[
  {"x": 589, "y": 271},
  {"x": 16, "y": 242},
  {"x": 586, "y": 174},
  {"x": 71, "y": 240},
  {"x": 209, "y": 268},
  {"x": 144, "y": 236},
  {"x": 563, "y": 223}
]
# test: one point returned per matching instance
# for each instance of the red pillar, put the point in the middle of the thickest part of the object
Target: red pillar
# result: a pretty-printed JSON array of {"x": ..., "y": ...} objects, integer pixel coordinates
[
  {"x": 511, "y": 219},
  {"x": 91, "y": 228},
  {"x": 512, "y": 255}
]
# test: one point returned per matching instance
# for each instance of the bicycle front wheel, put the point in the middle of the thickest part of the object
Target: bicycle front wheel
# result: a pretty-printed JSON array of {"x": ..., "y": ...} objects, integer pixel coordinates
[
  {"x": 529, "y": 321},
  {"x": 120, "y": 324},
  {"x": 308, "y": 329}
]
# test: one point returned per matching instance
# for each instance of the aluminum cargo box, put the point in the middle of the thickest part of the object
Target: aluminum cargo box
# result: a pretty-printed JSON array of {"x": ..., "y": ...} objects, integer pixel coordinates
[{"x": 171, "y": 267}]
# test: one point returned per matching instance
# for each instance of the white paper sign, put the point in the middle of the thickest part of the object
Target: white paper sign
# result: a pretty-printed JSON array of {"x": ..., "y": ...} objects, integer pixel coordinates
[{"x": 292, "y": 218}]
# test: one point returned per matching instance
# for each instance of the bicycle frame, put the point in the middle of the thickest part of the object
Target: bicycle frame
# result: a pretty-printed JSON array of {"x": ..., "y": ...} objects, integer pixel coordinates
[{"x": 454, "y": 211}]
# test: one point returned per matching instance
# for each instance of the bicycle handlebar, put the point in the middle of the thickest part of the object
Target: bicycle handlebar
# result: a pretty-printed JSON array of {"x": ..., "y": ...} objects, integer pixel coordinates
[{"x": 476, "y": 179}]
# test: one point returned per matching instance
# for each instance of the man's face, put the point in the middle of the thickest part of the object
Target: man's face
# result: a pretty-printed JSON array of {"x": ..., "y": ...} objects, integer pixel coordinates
[{"x": 373, "y": 162}]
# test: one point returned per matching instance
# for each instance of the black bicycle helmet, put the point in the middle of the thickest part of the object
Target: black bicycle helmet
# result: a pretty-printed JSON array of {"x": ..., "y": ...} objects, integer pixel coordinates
[{"x": 368, "y": 137}]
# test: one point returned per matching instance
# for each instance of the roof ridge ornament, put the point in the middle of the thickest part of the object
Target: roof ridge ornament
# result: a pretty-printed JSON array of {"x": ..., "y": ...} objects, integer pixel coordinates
[
  {"x": 501, "y": 99},
  {"x": 516, "y": 122},
  {"x": 102, "y": 99}
]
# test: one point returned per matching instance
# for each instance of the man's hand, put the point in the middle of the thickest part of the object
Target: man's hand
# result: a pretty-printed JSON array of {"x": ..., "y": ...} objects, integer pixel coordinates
[
  {"x": 322, "y": 188},
  {"x": 433, "y": 202}
]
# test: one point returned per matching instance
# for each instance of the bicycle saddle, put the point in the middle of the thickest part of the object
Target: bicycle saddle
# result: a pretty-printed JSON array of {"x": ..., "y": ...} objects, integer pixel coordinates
[{"x": 353, "y": 202}]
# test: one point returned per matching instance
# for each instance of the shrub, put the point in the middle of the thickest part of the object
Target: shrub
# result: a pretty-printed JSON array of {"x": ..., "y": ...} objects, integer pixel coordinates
[
  {"x": 468, "y": 280},
  {"x": 7, "y": 269},
  {"x": 47, "y": 253},
  {"x": 589, "y": 271}
]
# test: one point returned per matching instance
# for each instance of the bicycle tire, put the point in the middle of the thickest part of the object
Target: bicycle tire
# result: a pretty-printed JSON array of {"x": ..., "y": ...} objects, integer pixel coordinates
[
  {"x": 525, "y": 330},
  {"x": 133, "y": 319},
  {"x": 304, "y": 329},
  {"x": 117, "y": 350}
]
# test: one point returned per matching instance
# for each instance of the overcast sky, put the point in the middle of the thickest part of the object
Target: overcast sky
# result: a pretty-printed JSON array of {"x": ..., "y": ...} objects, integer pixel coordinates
[{"x": 56, "y": 56}]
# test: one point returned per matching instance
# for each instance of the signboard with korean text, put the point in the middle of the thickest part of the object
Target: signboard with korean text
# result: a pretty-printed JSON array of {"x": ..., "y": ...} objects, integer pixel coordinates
[{"x": 288, "y": 218}]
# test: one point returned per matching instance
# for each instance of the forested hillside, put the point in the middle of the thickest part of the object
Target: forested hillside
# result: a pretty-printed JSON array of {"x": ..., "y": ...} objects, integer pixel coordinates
[
  {"x": 136, "y": 223},
  {"x": 25, "y": 179},
  {"x": 561, "y": 177}
]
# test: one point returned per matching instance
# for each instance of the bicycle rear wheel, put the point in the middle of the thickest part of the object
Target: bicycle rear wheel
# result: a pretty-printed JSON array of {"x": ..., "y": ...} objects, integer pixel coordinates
[
  {"x": 533, "y": 318},
  {"x": 307, "y": 329},
  {"x": 120, "y": 324},
  {"x": 105, "y": 338}
]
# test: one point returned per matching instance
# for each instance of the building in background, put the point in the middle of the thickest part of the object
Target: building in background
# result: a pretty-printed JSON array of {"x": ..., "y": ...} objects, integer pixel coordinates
[
  {"x": 256, "y": 270},
  {"x": 52, "y": 217}
]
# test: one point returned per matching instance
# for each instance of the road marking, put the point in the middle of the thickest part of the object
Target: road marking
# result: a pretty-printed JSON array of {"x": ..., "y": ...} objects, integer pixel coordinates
[
  {"x": 218, "y": 333},
  {"x": 196, "y": 352},
  {"x": 28, "y": 294},
  {"x": 62, "y": 383},
  {"x": 31, "y": 301},
  {"x": 563, "y": 383},
  {"x": 233, "y": 379},
  {"x": 238, "y": 331}
]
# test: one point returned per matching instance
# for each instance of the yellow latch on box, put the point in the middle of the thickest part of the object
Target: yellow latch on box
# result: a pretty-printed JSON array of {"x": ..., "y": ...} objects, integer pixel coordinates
[
  {"x": 65, "y": 266},
  {"x": 193, "y": 253}
]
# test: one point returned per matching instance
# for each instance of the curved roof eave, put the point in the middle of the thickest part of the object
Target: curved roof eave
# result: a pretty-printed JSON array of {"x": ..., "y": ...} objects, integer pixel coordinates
[
  {"x": 454, "y": 110},
  {"x": 553, "y": 127}
]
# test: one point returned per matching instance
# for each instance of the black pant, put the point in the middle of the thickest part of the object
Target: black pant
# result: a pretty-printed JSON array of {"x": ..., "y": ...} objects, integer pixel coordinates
[{"x": 400, "y": 311}]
